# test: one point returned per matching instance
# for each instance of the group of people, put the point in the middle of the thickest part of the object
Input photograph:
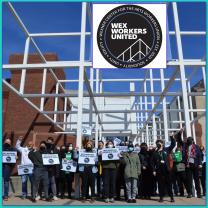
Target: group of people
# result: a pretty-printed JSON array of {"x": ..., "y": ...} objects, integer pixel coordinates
[{"x": 141, "y": 171}]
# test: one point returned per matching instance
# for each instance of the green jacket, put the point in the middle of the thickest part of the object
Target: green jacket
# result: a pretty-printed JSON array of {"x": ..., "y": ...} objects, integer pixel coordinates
[{"x": 132, "y": 165}]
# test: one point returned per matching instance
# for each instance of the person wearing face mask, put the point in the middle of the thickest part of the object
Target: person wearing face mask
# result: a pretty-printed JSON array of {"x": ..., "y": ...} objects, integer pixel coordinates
[
  {"x": 24, "y": 151},
  {"x": 66, "y": 153},
  {"x": 7, "y": 169},
  {"x": 53, "y": 170},
  {"x": 109, "y": 176},
  {"x": 193, "y": 162},
  {"x": 161, "y": 167},
  {"x": 100, "y": 171},
  {"x": 146, "y": 178},
  {"x": 88, "y": 176},
  {"x": 40, "y": 171},
  {"x": 131, "y": 172}
]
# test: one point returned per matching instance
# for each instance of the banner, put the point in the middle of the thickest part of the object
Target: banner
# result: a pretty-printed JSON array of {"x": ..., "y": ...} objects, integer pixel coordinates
[
  {"x": 87, "y": 157},
  {"x": 50, "y": 159},
  {"x": 69, "y": 165},
  {"x": 25, "y": 169},
  {"x": 9, "y": 156},
  {"x": 110, "y": 154}
]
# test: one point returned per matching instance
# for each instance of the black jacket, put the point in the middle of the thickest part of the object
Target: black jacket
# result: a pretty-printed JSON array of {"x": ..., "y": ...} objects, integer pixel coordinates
[
  {"x": 145, "y": 159},
  {"x": 159, "y": 160},
  {"x": 36, "y": 158}
]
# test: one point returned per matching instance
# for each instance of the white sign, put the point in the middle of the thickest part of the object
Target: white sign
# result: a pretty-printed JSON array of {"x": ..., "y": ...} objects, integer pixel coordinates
[
  {"x": 110, "y": 154},
  {"x": 50, "y": 159},
  {"x": 122, "y": 149},
  {"x": 86, "y": 131},
  {"x": 69, "y": 165},
  {"x": 25, "y": 169},
  {"x": 116, "y": 141},
  {"x": 87, "y": 157},
  {"x": 9, "y": 156}
]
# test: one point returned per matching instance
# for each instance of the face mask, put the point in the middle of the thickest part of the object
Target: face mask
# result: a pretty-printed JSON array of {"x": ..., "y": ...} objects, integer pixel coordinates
[
  {"x": 143, "y": 149},
  {"x": 100, "y": 147},
  {"x": 159, "y": 145},
  {"x": 70, "y": 148},
  {"x": 110, "y": 146},
  {"x": 131, "y": 149},
  {"x": 6, "y": 145},
  {"x": 189, "y": 141},
  {"x": 89, "y": 148},
  {"x": 137, "y": 148},
  {"x": 42, "y": 148}
]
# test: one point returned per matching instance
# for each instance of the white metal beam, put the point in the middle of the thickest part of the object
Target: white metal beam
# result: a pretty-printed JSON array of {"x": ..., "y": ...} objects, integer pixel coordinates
[
  {"x": 182, "y": 69},
  {"x": 75, "y": 64},
  {"x": 81, "y": 76}
]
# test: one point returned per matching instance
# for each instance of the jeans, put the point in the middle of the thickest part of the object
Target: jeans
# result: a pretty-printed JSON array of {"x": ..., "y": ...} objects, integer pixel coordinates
[
  {"x": 24, "y": 184},
  {"x": 52, "y": 184},
  {"x": 6, "y": 179},
  {"x": 131, "y": 188},
  {"x": 6, "y": 188},
  {"x": 40, "y": 174}
]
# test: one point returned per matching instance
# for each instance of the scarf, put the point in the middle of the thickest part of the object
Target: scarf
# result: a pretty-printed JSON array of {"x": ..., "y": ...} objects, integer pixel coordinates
[{"x": 191, "y": 153}]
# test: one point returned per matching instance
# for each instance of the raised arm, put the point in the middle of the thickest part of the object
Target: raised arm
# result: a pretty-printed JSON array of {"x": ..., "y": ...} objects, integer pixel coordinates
[
  {"x": 179, "y": 138},
  {"x": 18, "y": 145},
  {"x": 172, "y": 144}
]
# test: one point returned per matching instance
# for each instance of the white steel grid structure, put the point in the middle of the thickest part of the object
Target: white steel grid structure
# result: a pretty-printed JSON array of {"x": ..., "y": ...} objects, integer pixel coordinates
[{"x": 147, "y": 122}]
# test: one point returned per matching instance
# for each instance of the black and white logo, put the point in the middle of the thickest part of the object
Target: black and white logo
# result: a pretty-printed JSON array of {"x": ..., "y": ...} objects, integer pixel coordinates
[
  {"x": 129, "y": 36},
  {"x": 86, "y": 160},
  {"x": 8, "y": 159},
  {"x": 110, "y": 156},
  {"x": 68, "y": 167},
  {"x": 26, "y": 170},
  {"x": 51, "y": 161}
]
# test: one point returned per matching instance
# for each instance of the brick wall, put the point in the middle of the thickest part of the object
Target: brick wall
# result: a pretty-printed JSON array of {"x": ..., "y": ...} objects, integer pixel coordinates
[{"x": 19, "y": 117}]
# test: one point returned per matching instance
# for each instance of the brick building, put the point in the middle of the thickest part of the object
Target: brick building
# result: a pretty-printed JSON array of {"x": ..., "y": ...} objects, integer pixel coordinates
[{"x": 19, "y": 118}]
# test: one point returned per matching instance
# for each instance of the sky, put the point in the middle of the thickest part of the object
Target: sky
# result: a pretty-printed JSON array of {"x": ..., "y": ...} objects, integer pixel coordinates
[{"x": 66, "y": 17}]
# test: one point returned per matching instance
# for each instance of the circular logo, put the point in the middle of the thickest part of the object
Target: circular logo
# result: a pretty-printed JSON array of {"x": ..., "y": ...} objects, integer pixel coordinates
[
  {"x": 68, "y": 167},
  {"x": 84, "y": 131},
  {"x": 86, "y": 160},
  {"x": 51, "y": 161},
  {"x": 8, "y": 159},
  {"x": 26, "y": 170},
  {"x": 110, "y": 156},
  {"x": 129, "y": 36}
]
